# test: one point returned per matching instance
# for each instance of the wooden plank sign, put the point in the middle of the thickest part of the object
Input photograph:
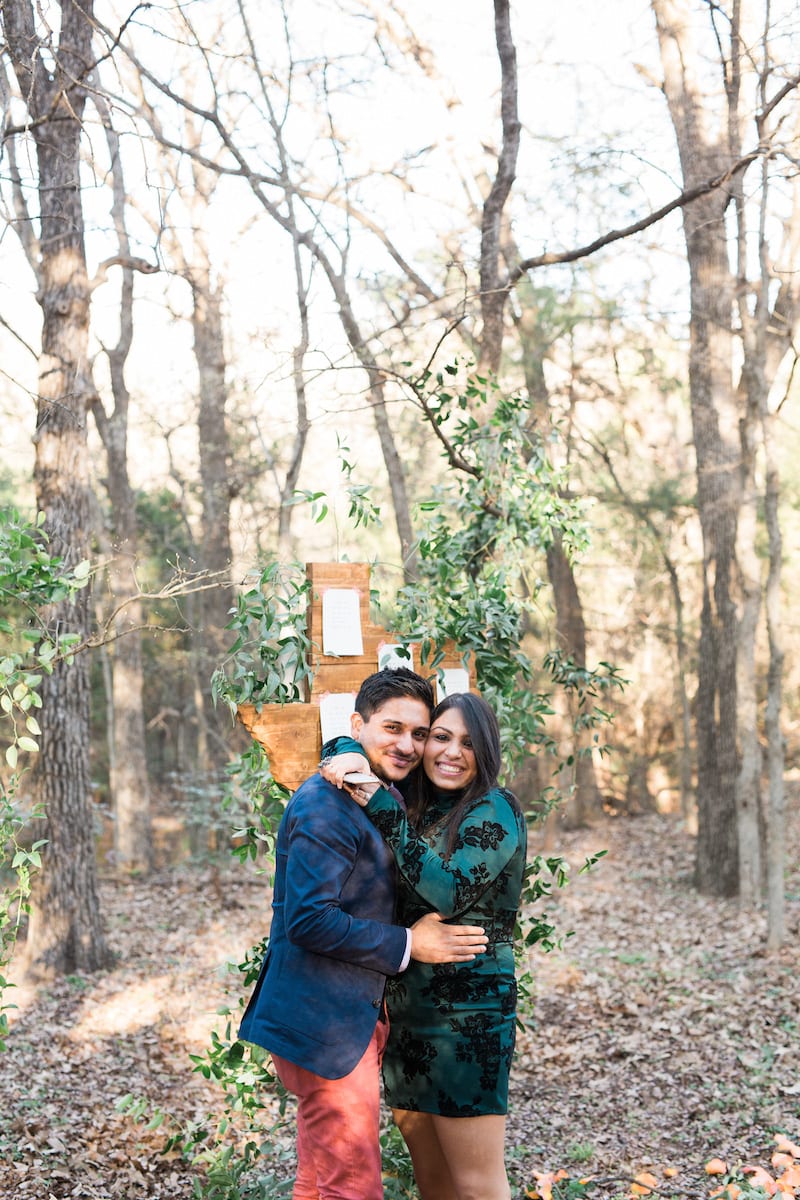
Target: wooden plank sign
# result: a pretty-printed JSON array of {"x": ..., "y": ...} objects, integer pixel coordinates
[{"x": 291, "y": 733}]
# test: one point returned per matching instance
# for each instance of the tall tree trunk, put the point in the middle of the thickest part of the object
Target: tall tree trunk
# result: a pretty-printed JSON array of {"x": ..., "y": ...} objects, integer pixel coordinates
[
  {"x": 773, "y": 335},
  {"x": 65, "y": 932},
  {"x": 728, "y": 421},
  {"x": 208, "y": 609},
  {"x": 715, "y": 421},
  {"x": 716, "y": 438},
  {"x": 753, "y": 390}
]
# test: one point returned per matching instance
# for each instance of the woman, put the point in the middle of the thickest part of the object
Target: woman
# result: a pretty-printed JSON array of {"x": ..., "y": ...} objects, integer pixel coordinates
[{"x": 460, "y": 850}]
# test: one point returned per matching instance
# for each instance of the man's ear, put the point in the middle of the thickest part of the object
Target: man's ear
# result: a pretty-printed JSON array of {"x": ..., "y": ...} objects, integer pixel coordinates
[{"x": 356, "y": 725}]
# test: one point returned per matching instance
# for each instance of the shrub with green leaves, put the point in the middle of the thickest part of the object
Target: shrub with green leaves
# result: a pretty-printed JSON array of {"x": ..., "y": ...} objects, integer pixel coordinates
[{"x": 31, "y": 578}]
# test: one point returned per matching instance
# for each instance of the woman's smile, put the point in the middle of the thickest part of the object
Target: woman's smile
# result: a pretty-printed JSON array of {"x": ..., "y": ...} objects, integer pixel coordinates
[{"x": 448, "y": 758}]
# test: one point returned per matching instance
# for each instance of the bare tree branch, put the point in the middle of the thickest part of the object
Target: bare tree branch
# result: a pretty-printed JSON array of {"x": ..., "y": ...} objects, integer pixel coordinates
[
  {"x": 615, "y": 235},
  {"x": 129, "y": 262}
]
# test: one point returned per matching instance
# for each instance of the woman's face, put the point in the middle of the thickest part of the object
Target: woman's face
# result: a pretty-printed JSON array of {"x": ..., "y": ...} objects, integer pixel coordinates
[{"x": 448, "y": 758}]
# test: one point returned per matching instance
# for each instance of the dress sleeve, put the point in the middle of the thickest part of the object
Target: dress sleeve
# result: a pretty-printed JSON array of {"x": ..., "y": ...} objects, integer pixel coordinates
[
  {"x": 488, "y": 838},
  {"x": 341, "y": 745}
]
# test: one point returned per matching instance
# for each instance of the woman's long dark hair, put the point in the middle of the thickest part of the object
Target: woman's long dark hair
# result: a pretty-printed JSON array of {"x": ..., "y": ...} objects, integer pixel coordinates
[{"x": 484, "y": 733}]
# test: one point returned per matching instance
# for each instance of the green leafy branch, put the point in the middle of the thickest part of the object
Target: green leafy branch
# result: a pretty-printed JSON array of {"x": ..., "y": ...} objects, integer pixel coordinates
[
  {"x": 268, "y": 657},
  {"x": 362, "y": 511},
  {"x": 256, "y": 800},
  {"x": 505, "y": 502},
  {"x": 534, "y": 927}
]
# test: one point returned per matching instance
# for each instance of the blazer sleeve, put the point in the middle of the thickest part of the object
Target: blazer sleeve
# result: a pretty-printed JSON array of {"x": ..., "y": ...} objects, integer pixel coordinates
[
  {"x": 332, "y": 893},
  {"x": 488, "y": 838}
]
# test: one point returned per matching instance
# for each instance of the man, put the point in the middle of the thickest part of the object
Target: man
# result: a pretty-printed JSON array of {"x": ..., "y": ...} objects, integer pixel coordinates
[{"x": 318, "y": 1003}]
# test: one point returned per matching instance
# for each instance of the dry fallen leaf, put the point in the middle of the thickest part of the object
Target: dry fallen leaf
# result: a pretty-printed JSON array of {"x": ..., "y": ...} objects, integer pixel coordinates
[
  {"x": 715, "y": 1166},
  {"x": 760, "y": 1178},
  {"x": 544, "y": 1184},
  {"x": 790, "y": 1179}
]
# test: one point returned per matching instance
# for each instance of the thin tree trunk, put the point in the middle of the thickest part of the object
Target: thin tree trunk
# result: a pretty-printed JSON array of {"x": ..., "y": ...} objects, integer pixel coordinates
[
  {"x": 748, "y": 780},
  {"x": 213, "y": 604},
  {"x": 214, "y": 447},
  {"x": 299, "y": 353},
  {"x": 776, "y": 854},
  {"x": 682, "y": 695},
  {"x": 128, "y": 775},
  {"x": 585, "y": 800},
  {"x": 752, "y": 392},
  {"x": 493, "y": 293},
  {"x": 778, "y": 336}
]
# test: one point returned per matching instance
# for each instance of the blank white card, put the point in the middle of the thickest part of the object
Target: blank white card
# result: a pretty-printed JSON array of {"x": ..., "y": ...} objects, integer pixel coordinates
[{"x": 341, "y": 622}]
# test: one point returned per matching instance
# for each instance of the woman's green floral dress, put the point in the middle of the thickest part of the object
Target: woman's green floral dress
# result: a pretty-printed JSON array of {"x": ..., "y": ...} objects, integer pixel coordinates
[{"x": 452, "y": 1027}]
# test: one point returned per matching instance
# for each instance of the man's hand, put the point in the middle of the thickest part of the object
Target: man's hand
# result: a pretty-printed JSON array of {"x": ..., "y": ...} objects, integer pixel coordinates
[{"x": 433, "y": 941}]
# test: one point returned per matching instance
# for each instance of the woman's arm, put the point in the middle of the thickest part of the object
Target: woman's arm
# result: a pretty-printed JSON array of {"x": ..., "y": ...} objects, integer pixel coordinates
[{"x": 341, "y": 756}]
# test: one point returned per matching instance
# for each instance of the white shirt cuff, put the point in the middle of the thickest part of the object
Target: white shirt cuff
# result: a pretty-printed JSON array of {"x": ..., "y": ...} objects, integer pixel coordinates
[{"x": 407, "y": 955}]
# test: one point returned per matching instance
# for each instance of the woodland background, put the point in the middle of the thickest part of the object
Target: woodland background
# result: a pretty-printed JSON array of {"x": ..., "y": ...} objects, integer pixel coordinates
[{"x": 501, "y": 300}]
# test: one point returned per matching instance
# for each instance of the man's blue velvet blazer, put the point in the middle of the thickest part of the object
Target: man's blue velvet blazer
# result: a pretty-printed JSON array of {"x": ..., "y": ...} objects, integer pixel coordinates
[{"x": 332, "y": 942}]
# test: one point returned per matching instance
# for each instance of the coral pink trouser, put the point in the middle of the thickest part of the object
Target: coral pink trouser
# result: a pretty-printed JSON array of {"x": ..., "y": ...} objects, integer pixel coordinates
[{"x": 338, "y": 1126}]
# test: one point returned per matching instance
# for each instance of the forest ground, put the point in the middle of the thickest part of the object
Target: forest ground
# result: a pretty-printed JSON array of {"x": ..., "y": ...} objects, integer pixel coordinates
[{"x": 659, "y": 1036}]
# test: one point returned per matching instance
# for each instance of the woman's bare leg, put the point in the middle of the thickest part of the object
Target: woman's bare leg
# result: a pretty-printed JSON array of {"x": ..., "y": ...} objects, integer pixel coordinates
[
  {"x": 473, "y": 1149},
  {"x": 431, "y": 1172}
]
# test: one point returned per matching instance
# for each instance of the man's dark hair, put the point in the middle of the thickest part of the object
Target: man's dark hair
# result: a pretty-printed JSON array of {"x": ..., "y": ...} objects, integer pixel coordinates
[{"x": 388, "y": 684}]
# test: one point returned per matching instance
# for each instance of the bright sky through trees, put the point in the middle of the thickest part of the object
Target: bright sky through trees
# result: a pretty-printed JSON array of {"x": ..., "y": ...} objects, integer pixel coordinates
[
  {"x": 577, "y": 79},
  {"x": 596, "y": 152}
]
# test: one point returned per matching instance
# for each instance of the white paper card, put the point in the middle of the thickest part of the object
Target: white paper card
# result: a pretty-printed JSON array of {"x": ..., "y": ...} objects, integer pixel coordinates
[
  {"x": 341, "y": 622},
  {"x": 389, "y": 656},
  {"x": 335, "y": 709},
  {"x": 454, "y": 679}
]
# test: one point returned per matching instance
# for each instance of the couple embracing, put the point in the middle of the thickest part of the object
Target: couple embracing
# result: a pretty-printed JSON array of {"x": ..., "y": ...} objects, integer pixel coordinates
[{"x": 391, "y": 944}]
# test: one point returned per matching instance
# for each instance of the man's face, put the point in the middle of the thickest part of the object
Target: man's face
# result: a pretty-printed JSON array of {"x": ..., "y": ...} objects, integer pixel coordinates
[{"x": 394, "y": 736}]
